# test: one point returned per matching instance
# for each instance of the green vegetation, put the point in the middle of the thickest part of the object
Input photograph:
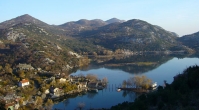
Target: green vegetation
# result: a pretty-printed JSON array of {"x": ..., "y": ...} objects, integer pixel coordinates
[{"x": 182, "y": 93}]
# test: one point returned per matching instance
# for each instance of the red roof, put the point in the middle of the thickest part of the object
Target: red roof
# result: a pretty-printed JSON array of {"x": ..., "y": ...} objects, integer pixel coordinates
[
  {"x": 9, "y": 104},
  {"x": 24, "y": 81}
]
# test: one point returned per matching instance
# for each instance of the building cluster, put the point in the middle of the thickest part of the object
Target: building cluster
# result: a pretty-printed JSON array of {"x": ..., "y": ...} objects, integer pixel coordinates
[{"x": 82, "y": 83}]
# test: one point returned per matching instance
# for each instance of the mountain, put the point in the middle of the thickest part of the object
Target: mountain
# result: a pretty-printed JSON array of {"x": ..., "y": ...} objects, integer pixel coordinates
[
  {"x": 94, "y": 36},
  {"x": 83, "y": 24},
  {"x": 114, "y": 20},
  {"x": 134, "y": 35},
  {"x": 28, "y": 20},
  {"x": 22, "y": 19},
  {"x": 191, "y": 40}
]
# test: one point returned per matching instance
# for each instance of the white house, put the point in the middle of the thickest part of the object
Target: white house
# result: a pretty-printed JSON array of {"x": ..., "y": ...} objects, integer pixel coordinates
[
  {"x": 47, "y": 91},
  {"x": 24, "y": 82},
  {"x": 82, "y": 85},
  {"x": 62, "y": 80}
]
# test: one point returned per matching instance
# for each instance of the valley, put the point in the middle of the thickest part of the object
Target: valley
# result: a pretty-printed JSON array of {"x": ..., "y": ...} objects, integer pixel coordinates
[{"x": 41, "y": 56}]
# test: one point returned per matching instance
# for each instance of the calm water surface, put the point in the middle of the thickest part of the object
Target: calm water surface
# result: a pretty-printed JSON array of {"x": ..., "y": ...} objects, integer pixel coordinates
[{"x": 109, "y": 96}]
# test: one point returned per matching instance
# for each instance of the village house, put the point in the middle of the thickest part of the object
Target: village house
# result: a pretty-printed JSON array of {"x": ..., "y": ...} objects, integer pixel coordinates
[
  {"x": 24, "y": 82},
  {"x": 55, "y": 92},
  {"x": 47, "y": 91},
  {"x": 93, "y": 84},
  {"x": 82, "y": 85},
  {"x": 62, "y": 80}
]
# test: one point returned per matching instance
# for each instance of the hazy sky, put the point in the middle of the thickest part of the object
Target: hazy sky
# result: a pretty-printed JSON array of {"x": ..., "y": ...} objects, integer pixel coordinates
[{"x": 180, "y": 16}]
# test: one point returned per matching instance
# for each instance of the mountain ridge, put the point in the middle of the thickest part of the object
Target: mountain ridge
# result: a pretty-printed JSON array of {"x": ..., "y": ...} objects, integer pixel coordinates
[{"x": 133, "y": 35}]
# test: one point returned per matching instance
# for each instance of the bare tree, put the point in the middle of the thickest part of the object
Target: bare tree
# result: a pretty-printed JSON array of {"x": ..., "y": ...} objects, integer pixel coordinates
[
  {"x": 129, "y": 82},
  {"x": 105, "y": 80},
  {"x": 49, "y": 104},
  {"x": 139, "y": 81},
  {"x": 92, "y": 77},
  {"x": 124, "y": 84}
]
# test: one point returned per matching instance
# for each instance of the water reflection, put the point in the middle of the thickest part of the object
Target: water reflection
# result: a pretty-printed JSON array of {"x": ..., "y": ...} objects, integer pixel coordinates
[
  {"x": 65, "y": 103},
  {"x": 124, "y": 94},
  {"x": 134, "y": 64},
  {"x": 91, "y": 95}
]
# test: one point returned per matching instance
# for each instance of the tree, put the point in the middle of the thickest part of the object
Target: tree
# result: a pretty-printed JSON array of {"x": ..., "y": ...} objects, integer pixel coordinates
[
  {"x": 21, "y": 73},
  {"x": 124, "y": 84},
  {"x": 21, "y": 102},
  {"x": 139, "y": 81},
  {"x": 129, "y": 82},
  {"x": 49, "y": 104},
  {"x": 38, "y": 101},
  {"x": 91, "y": 77},
  {"x": 1, "y": 68},
  {"x": 105, "y": 80},
  {"x": 2, "y": 106},
  {"x": 7, "y": 68},
  {"x": 94, "y": 53}
]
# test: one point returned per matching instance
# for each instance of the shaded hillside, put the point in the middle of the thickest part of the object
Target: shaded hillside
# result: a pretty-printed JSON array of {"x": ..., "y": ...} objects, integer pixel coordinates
[
  {"x": 135, "y": 35},
  {"x": 191, "y": 41}
]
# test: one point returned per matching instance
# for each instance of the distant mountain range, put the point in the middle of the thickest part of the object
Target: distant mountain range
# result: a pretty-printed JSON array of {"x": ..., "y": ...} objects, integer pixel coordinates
[
  {"x": 114, "y": 20},
  {"x": 83, "y": 23},
  {"x": 97, "y": 35},
  {"x": 133, "y": 35}
]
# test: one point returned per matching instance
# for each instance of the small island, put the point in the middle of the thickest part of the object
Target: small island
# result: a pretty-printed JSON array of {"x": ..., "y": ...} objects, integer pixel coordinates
[{"x": 140, "y": 84}]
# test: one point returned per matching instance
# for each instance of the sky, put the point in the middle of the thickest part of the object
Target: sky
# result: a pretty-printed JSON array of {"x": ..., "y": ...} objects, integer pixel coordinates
[{"x": 179, "y": 16}]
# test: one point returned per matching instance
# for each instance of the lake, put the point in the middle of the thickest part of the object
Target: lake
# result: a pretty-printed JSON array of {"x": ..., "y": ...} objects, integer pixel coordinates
[{"x": 157, "y": 68}]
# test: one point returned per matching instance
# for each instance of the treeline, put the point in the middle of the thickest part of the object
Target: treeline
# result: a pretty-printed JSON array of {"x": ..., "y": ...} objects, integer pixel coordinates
[{"x": 182, "y": 94}]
